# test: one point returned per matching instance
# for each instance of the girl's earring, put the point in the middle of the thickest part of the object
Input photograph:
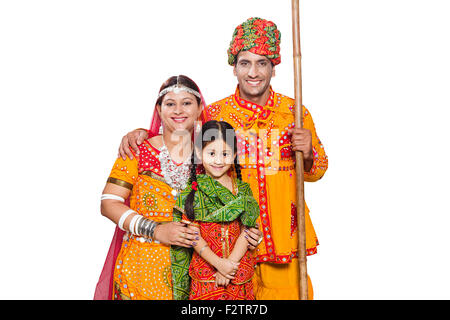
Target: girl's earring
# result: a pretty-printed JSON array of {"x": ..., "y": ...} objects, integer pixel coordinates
[
  {"x": 160, "y": 129},
  {"x": 198, "y": 128}
]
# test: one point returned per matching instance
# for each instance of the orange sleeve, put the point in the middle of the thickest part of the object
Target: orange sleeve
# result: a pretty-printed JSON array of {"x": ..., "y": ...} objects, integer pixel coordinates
[
  {"x": 124, "y": 173},
  {"x": 320, "y": 164}
]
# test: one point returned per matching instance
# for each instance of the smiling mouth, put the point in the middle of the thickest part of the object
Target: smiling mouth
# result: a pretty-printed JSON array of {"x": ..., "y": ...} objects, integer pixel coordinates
[
  {"x": 254, "y": 83},
  {"x": 217, "y": 167},
  {"x": 179, "y": 119}
]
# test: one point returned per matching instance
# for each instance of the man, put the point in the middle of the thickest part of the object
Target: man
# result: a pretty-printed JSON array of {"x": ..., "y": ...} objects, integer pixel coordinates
[{"x": 264, "y": 123}]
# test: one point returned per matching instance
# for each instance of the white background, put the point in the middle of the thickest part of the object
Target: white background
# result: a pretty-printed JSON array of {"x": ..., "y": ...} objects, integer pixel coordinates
[{"x": 75, "y": 76}]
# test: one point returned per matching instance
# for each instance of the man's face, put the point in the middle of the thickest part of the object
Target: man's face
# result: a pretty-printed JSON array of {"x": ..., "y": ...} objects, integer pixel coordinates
[{"x": 253, "y": 72}]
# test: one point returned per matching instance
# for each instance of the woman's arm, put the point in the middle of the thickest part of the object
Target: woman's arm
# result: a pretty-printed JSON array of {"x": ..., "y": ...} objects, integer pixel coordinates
[
  {"x": 113, "y": 209},
  {"x": 172, "y": 233}
]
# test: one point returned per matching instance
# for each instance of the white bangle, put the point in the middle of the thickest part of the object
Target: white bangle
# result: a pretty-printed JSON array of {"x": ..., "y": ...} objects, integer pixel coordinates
[
  {"x": 131, "y": 228},
  {"x": 200, "y": 252},
  {"x": 123, "y": 217},
  {"x": 136, "y": 225},
  {"x": 107, "y": 196}
]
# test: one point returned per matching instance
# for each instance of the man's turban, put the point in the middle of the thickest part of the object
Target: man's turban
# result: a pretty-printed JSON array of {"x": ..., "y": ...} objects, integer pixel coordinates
[{"x": 258, "y": 36}]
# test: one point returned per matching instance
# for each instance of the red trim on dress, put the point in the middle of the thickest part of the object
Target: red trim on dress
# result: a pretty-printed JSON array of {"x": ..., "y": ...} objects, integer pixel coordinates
[{"x": 148, "y": 158}]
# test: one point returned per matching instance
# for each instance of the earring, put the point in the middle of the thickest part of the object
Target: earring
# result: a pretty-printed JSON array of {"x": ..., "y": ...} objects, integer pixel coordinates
[
  {"x": 160, "y": 129},
  {"x": 198, "y": 128}
]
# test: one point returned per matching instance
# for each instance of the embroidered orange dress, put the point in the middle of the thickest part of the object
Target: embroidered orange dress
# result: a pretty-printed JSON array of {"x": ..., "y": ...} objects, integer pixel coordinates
[
  {"x": 268, "y": 165},
  {"x": 143, "y": 267}
]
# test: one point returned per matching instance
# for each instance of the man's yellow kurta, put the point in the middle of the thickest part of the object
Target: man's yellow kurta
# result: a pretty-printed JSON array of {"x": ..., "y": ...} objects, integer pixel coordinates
[{"x": 268, "y": 165}]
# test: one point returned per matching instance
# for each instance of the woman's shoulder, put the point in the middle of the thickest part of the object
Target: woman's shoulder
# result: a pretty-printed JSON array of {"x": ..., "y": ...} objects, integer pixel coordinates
[
  {"x": 149, "y": 157},
  {"x": 155, "y": 142},
  {"x": 152, "y": 145}
]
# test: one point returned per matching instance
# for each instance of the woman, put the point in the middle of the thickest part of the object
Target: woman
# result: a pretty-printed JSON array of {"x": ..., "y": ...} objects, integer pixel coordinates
[{"x": 151, "y": 181}]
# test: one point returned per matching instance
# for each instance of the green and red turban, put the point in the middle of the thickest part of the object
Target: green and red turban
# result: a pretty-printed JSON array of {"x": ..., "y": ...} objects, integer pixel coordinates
[{"x": 258, "y": 36}]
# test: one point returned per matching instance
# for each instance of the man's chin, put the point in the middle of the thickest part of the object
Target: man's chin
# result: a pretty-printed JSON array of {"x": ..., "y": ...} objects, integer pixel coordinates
[{"x": 253, "y": 92}]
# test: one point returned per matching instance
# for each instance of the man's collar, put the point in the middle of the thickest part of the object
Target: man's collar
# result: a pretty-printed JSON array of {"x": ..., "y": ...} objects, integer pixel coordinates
[{"x": 250, "y": 105}]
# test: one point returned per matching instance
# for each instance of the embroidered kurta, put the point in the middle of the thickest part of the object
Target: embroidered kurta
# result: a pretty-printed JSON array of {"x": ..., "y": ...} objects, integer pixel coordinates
[
  {"x": 143, "y": 267},
  {"x": 268, "y": 165},
  {"x": 219, "y": 214}
]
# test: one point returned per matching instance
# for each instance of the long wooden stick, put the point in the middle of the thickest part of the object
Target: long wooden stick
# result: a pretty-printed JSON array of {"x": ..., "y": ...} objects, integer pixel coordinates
[{"x": 299, "y": 155}]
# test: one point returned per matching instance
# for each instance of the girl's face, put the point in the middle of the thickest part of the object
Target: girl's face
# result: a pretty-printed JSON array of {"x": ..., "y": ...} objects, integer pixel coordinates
[
  {"x": 217, "y": 158},
  {"x": 179, "y": 111}
]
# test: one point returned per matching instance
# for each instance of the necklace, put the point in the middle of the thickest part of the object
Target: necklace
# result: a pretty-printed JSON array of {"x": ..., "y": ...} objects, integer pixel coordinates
[{"x": 176, "y": 176}]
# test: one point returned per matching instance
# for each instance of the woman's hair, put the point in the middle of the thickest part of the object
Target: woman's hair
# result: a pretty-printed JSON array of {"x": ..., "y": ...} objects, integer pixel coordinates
[
  {"x": 211, "y": 131},
  {"x": 181, "y": 79}
]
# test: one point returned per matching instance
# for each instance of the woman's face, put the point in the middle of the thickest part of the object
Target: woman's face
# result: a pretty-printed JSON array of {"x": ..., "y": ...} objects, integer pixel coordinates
[
  {"x": 217, "y": 158},
  {"x": 179, "y": 111}
]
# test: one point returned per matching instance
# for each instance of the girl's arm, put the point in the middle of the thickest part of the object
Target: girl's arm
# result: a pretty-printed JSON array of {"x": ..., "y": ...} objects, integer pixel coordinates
[
  {"x": 226, "y": 267},
  {"x": 240, "y": 247}
]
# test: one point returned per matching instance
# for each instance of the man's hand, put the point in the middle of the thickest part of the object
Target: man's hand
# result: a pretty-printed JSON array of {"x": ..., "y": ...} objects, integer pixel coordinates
[
  {"x": 301, "y": 140},
  {"x": 132, "y": 139}
]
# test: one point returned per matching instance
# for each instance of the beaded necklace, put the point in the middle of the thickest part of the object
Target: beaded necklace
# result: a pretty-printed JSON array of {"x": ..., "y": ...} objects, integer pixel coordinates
[{"x": 176, "y": 176}]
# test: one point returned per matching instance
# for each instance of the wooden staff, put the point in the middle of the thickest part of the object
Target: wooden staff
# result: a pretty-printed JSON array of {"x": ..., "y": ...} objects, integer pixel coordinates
[{"x": 299, "y": 155}]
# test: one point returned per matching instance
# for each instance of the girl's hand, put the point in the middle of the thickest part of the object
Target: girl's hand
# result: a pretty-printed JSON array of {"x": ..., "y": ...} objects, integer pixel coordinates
[
  {"x": 176, "y": 233},
  {"x": 221, "y": 280},
  {"x": 227, "y": 268}
]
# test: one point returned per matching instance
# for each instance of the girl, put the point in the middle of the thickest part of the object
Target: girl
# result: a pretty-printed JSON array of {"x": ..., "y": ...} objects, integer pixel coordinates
[{"x": 219, "y": 205}]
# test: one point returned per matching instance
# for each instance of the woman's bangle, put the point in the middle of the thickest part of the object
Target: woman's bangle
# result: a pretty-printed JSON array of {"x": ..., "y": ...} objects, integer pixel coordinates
[
  {"x": 123, "y": 218},
  {"x": 146, "y": 227},
  {"x": 201, "y": 250},
  {"x": 132, "y": 225},
  {"x": 107, "y": 196},
  {"x": 151, "y": 233}
]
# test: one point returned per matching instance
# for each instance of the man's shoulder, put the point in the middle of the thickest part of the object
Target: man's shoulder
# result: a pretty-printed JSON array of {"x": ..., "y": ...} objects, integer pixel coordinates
[
  {"x": 286, "y": 102},
  {"x": 221, "y": 101},
  {"x": 214, "y": 109},
  {"x": 279, "y": 97}
]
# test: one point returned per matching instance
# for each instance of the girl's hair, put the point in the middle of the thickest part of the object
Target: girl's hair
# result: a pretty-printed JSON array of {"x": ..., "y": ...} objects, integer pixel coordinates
[
  {"x": 183, "y": 80},
  {"x": 211, "y": 131}
]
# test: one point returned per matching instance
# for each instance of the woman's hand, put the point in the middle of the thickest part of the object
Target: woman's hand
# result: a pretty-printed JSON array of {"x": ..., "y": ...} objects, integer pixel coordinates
[
  {"x": 254, "y": 237},
  {"x": 176, "y": 233}
]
